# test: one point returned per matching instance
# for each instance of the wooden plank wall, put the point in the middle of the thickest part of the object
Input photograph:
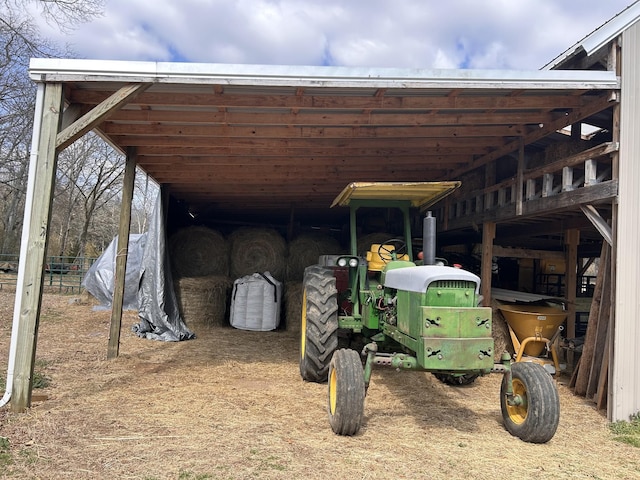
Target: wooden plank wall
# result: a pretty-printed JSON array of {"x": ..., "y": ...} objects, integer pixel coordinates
[{"x": 590, "y": 377}]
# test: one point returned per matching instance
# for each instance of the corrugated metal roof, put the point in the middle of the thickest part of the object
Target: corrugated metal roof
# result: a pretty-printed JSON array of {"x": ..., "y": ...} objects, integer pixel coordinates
[{"x": 600, "y": 36}]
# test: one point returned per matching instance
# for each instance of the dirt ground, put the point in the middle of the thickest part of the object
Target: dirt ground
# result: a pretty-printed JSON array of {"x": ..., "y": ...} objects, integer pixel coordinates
[{"x": 231, "y": 405}]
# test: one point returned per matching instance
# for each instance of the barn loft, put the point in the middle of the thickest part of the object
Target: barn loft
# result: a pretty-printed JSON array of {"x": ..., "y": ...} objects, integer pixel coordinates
[{"x": 548, "y": 159}]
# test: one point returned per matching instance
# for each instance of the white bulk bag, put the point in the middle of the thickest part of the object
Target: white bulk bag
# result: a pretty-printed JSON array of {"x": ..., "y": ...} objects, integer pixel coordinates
[{"x": 255, "y": 302}]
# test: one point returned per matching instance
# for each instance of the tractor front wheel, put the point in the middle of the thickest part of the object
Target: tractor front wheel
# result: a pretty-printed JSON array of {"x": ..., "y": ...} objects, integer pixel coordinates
[
  {"x": 534, "y": 411},
  {"x": 319, "y": 329},
  {"x": 346, "y": 392}
]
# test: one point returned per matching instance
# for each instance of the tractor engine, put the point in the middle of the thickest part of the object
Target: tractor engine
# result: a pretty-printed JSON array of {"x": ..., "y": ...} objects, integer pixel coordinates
[
  {"x": 386, "y": 305},
  {"x": 432, "y": 310}
]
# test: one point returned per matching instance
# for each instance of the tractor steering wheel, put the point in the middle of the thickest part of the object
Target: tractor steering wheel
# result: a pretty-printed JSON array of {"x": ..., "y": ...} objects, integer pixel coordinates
[{"x": 388, "y": 254}]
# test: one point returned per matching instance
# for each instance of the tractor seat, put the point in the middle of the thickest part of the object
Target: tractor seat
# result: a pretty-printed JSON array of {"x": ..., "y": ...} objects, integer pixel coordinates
[{"x": 375, "y": 262}]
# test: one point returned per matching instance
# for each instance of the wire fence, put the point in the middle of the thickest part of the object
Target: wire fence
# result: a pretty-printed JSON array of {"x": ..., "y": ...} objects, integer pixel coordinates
[{"x": 61, "y": 274}]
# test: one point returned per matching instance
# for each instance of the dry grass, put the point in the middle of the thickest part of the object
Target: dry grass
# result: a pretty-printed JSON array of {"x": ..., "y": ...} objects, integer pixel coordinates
[{"x": 231, "y": 405}]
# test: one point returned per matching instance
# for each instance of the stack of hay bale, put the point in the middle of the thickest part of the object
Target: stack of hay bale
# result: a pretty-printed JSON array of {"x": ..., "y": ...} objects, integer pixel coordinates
[
  {"x": 304, "y": 250},
  {"x": 205, "y": 265},
  {"x": 200, "y": 265},
  {"x": 258, "y": 257}
]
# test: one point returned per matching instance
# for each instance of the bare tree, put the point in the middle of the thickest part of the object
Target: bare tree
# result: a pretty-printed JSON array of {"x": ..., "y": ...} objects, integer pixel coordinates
[
  {"x": 144, "y": 196},
  {"x": 17, "y": 94},
  {"x": 20, "y": 40},
  {"x": 89, "y": 182},
  {"x": 65, "y": 14}
]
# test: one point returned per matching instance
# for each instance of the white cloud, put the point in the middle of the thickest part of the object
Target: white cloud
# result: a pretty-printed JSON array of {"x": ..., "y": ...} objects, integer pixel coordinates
[{"x": 523, "y": 34}]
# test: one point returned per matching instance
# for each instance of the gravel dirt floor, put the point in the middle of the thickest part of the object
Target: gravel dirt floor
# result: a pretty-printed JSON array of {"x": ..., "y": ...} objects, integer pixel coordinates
[{"x": 231, "y": 405}]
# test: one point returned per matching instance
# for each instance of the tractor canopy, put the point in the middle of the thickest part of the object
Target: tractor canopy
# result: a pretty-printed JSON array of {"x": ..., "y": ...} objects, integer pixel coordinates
[
  {"x": 401, "y": 195},
  {"x": 414, "y": 194}
]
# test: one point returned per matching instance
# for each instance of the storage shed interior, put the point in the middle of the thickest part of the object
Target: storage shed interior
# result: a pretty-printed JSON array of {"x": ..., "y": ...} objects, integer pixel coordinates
[
  {"x": 537, "y": 154},
  {"x": 273, "y": 146}
]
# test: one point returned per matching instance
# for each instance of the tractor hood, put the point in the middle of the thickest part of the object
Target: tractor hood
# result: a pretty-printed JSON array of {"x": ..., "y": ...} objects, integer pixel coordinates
[
  {"x": 417, "y": 279},
  {"x": 417, "y": 194}
]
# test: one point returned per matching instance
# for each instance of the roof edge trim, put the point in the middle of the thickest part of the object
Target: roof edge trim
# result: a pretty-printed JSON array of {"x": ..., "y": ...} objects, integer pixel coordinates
[
  {"x": 61, "y": 70},
  {"x": 600, "y": 36}
]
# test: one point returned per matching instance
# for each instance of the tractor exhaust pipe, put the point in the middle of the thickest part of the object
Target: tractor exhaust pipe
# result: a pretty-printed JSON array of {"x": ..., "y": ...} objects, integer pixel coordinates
[{"x": 429, "y": 240}]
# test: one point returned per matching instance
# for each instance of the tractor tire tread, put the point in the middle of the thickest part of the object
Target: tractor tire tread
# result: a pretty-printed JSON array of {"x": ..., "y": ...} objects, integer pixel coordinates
[
  {"x": 321, "y": 333},
  {"x": 350, "y": 392},
  {"x": 543, "y": 404}
]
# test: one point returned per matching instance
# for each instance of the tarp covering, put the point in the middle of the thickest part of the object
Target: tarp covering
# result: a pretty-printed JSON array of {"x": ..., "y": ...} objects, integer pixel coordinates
[
  {"x": 100, "y": 278},
  {"x": 157, "y": 303}
]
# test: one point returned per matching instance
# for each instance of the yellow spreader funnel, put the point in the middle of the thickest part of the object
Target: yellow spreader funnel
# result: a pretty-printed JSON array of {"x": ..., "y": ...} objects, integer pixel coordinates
[{"x": 537, "y": 323}]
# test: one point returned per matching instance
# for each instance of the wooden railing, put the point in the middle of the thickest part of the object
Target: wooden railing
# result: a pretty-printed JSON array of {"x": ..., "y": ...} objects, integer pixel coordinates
[{"x": 582, "y": 178}]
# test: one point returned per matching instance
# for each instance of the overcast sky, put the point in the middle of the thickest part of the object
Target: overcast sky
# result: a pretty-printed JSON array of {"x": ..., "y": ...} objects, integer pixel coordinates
[{"x": 502, "y": 34}]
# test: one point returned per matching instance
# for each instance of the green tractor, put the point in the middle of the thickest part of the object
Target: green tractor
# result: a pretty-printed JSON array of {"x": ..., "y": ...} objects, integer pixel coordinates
[{"x": 409, "y": 315}]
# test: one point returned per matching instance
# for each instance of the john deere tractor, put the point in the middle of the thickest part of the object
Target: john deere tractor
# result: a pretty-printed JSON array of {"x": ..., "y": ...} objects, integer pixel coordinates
[{"x": 408, "y": 314}]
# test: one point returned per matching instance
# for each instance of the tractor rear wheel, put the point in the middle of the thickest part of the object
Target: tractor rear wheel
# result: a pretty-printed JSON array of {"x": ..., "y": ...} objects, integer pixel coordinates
[
  {"x": 456, "y": 380},
  {"x": 346, "y": 392},
  {"x": 319, "y": 329},
  {"x": 535, "y": 418}
]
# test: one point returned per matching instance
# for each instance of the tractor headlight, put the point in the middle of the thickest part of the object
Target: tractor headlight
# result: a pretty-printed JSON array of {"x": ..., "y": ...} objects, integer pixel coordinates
[
  {"x": 353, "y": 262},
  {"x": 342, "y": 262}
]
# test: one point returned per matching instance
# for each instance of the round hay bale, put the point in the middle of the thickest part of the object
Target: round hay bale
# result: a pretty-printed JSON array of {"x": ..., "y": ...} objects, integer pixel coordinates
[
  {"x": 257, "y": 250},
  {"x": 204, "y": 300},
  {"x": 293, "y": 306},
  {"x": 198, "y": 252},
  {"x": 305, "y": 249}
]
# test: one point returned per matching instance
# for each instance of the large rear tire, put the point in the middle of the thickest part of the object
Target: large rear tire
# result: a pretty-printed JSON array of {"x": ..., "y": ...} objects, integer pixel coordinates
[
  {"x": 346, "y": 392},
  {"x": 319, "y": 328},
  {"x": 536, "y": 418}
]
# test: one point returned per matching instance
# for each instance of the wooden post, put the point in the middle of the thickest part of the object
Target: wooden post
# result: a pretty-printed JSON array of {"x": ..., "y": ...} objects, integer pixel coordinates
[
  {"x": 576, "y": 131},
  {"x": 590, "y": 172},
  {"x": 602, "y": 332},
  {"x": 488, "y": 235},
  {"x": 547, "y": 185},
  {"x": 571, "y": 273},
  {"x": 520, "y": 180},
  {"x": 121, "y": 255},
  {"x": 38, "y": 236},
  {"x": 567, "y": 179},
  {"x": 582, "y": 378},
  {"x": 606, "y": 391}
]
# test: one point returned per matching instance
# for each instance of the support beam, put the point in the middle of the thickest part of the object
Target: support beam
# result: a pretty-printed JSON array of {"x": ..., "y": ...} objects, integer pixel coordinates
[
  {"x": 572, "y": 239},
  {"x": 38, "y": 236},
  {"x": 488, "y": 235},
  {"x": 511, "y": 252},
  {"x": 121, "y": 255},
  {"x": 600, "y": 223},
  {"x": 520, "y": 179},
  {"x": 89, "y": 120},
  {"x": 592, "y": 107}
]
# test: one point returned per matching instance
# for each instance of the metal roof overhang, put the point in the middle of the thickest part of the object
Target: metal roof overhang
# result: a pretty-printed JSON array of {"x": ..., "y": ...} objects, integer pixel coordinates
[
  {"x": 600, "y": 38},
  {"x": 237, "y": 140}
]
